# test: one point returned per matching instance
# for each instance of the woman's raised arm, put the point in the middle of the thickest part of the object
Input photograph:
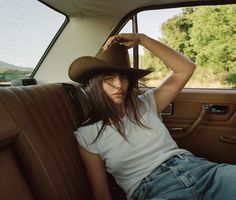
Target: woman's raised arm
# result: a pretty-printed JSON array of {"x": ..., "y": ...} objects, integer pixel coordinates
[{"x": 182, "y": 68}]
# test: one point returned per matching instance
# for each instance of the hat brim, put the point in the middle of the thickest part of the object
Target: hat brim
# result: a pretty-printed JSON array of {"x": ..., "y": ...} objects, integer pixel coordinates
[{"x": 83, "y": 68}]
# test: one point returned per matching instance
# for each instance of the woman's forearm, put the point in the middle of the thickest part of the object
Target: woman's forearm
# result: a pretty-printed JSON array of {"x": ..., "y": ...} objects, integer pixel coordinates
[{"x": 174, "y": 60}]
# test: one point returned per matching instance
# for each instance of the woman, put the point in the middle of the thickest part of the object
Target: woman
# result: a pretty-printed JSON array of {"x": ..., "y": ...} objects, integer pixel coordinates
[{"x": 126, "y": 137}]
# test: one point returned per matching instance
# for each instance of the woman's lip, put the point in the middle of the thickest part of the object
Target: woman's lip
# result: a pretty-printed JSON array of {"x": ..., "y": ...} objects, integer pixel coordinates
[{"x": 118, "y": 94}]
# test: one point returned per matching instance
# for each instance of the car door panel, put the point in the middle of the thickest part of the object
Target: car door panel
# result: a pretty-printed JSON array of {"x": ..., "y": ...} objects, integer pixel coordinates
[{"x": 214, "y": 136}]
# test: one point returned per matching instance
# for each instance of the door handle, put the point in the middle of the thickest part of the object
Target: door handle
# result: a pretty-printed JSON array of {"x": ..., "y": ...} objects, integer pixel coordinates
[
  {"x": 205, "y": 109},
  {"x": 219, "y": 109},
  {"x": 179, "y": 133},
  {"x": 230, "y": 140}
]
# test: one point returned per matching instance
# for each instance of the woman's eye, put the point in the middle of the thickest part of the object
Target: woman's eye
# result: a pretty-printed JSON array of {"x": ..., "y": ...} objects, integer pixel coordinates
[{"x": 109, "y": 78}]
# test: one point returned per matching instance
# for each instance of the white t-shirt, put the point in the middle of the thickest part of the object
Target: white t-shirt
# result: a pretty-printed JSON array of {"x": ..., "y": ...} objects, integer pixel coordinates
[{"x": 147, "y": 148}]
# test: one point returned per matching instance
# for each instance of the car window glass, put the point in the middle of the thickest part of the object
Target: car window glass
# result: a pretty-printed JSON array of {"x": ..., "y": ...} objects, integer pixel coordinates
[
  {"x": 27, "y": 28},
  {"x": 128, "y": 29},
  {"x": 205, "y": 34}
]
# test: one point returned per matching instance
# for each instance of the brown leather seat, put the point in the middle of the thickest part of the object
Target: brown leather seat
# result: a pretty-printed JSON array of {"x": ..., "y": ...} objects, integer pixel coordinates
[{"x": 38, "y": 152}]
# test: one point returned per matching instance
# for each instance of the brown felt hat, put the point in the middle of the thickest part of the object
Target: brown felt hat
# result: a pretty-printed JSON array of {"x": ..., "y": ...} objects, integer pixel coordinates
[{"x": 114, "y": 59}]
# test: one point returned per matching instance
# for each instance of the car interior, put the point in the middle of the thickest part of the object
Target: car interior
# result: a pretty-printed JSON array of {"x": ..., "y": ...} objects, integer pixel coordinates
[{"x": 39, "y": 157}]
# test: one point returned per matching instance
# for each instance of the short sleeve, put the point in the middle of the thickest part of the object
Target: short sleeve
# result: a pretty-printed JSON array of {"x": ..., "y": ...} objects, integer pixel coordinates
[
  {"x": 149, "y": 100},
  {"x": 85, "y": 137}
]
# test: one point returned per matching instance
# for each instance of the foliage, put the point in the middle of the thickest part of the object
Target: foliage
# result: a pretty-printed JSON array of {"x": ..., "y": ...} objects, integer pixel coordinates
[
  {"x": 11, "y": 74},
  {"x": 231, "y": 80},
  {"x": 205, "y": 34}
]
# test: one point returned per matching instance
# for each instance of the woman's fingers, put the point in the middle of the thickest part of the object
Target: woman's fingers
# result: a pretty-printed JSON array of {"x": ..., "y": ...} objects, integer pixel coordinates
[
  {"x": 128, "y": 39},
  {"x": 110, "y": 41}
]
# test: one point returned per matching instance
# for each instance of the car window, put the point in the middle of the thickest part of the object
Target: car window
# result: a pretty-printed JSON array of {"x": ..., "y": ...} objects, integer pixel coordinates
[
  {"x": 27, "y": 28},
  {"x": 128, "y": 29},
  {"x": 205, "y": 34}
]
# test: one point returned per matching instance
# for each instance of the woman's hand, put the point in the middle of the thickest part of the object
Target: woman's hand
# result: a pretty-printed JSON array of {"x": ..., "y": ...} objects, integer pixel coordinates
[
  {"x": 182, "y": 68},
  {"x": 128, "y": 39}
]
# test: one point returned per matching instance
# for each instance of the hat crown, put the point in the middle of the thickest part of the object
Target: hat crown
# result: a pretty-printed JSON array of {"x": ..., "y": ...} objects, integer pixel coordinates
[
  {"x": 116, "y": 54},
  {"x": 115, "y": 59}
]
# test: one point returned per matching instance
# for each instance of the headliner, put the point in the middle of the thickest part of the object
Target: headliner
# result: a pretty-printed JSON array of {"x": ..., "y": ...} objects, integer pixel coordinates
[{"x": 86, "y": 8}]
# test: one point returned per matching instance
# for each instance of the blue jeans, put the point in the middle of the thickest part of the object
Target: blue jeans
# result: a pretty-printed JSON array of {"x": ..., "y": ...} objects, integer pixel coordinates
[{"x": 188, "y": 177}]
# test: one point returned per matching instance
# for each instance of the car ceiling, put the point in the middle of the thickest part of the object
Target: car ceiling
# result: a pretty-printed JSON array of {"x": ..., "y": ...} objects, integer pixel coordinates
[{"x": 80, "y": 8}]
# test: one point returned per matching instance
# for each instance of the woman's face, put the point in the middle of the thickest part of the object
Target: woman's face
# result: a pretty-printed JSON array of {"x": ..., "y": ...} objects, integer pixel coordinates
[{"x": 115, "y": 86}]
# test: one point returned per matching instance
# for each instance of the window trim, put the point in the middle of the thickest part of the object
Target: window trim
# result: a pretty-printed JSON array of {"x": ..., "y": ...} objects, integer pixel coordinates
[
  {"x": 130, "y": 14},
  {"x": 50, "y": 45}
]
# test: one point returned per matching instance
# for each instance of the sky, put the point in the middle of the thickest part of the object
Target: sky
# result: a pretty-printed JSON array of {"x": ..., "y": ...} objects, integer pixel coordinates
[
  {"x": 22, "y": 41},
  {"x": 149, "y": 22}
]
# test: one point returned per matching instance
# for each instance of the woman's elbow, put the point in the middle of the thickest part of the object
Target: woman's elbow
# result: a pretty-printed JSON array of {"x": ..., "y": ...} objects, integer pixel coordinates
[{"x": 191, "y": 68}]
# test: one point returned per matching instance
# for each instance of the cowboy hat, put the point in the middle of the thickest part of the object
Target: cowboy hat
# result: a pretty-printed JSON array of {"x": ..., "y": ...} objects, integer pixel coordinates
[{"x": 114, "y": 59}]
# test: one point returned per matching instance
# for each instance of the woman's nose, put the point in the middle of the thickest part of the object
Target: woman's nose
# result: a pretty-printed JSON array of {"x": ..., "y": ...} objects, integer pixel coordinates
[{"x": 117, "y": 82}]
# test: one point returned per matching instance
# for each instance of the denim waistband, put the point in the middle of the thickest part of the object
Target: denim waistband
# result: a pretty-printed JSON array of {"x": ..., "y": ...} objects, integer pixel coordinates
[
  {"x": 173, "y": 161},
  {"x": 160, "y": 169}
]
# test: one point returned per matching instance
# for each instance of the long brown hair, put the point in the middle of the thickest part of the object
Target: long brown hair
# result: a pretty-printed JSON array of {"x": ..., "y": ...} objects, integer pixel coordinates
[{"x": 103, "y": 108}]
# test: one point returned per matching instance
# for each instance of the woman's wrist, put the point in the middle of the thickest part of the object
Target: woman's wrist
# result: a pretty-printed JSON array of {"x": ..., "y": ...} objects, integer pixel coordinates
[{"x": 142, "y": 38}]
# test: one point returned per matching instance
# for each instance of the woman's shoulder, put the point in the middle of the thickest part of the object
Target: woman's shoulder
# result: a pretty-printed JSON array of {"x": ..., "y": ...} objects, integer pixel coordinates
[
  {"x": 148, "y": 94},
  {"x": 86, "y": 135},
  {"x": 87, "y": 130},
  {"x": 87, "y": 126},
  {"x": 148, "y": 100},
  {"x": 147, "y": 97}
]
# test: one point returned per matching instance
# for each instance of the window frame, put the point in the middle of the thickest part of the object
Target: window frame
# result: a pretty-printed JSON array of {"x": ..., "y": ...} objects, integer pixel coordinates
[
  {"x": 48, "y": 48},
  {"x": 133, "y": 16},
  {"x": 50, "y": 45}
]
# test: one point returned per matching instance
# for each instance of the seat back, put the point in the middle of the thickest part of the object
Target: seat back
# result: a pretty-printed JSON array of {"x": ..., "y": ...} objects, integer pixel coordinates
[{"x": 38, "y": 152}]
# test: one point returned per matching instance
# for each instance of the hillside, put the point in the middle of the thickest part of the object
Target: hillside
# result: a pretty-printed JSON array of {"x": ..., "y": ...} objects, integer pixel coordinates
[
  {"x": 9, "y": 72},
  {"x": 14, "y": 67}
]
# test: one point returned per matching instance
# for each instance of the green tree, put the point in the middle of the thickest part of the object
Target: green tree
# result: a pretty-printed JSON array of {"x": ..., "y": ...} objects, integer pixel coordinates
[
  {"x": 205, "y": 34},
  {"x": 213, "y": 36}
]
